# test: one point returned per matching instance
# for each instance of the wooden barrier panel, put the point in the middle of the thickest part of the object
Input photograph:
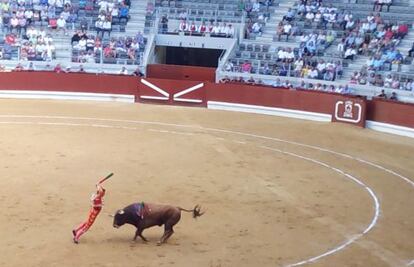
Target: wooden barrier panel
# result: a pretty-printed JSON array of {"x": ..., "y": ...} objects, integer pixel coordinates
[
  {"x": 176, "y": 72},
  {"x": 350, "y": 110},
  {"x": 392, "y": 112},
  {"x": 69, "y": 82}
]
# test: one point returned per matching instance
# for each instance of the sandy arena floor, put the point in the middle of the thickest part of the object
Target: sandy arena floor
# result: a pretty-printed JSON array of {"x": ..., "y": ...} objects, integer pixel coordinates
[{"x": 277, "y": 192}]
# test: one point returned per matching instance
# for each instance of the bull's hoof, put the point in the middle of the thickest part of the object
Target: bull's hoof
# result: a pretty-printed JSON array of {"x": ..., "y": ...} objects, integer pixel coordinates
[{"x": 159, "y": 243}]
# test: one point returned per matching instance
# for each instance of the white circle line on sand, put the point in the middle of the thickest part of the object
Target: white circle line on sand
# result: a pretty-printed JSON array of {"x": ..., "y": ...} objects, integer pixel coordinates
[
  {"x": 407, "y": 180},
  {"x": 355, "y": 180}
]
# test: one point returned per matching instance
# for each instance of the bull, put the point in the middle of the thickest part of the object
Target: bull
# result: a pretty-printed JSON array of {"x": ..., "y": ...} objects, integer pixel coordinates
[{"x": 145, "y": 215}]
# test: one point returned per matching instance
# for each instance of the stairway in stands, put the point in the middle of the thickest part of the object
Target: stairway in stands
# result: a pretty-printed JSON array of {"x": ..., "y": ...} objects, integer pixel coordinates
[
  {"x": 137, "y": 20},
  {"x": 275, "y": 17}
]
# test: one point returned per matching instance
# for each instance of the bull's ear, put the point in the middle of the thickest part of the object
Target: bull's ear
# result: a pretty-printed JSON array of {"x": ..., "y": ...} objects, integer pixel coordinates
[{"x": 121, "y": 212}]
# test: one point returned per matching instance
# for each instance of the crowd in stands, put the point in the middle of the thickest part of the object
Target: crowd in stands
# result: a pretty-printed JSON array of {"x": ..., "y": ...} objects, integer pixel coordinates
[
  {"x": 257, "y": 14},
  {"x": 300, "y": 62},
  {"x": 341, "y": 89},
  {"x": 213, "y": 29},
  {"x": 111, "y": 12},
  {"x": 59, "y": 68},
  {"x": 373, "y": 37},
  {"x": 393, "y": 81},
  {"x": 35, "y": 44},
  {"x": 89, "y": 48}
]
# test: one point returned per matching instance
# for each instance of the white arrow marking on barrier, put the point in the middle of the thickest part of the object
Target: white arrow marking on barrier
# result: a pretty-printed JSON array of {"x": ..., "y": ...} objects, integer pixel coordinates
[
  {"x": 176, "y": 96},
  {"x": 156, "y": 88}
]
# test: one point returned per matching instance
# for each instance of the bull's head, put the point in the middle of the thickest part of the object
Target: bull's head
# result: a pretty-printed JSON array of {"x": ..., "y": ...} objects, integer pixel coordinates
[{"x": 119, "y": 218}]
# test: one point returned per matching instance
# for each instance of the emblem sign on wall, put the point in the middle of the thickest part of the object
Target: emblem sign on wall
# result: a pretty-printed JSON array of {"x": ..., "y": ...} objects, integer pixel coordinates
[{"x": 350, "y": 111}]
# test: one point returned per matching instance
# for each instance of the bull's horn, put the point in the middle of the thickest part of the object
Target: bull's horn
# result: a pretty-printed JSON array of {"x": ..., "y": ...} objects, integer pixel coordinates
[
  {"x": 121, "y": 212},
  {"x": 111, "y": 215}
]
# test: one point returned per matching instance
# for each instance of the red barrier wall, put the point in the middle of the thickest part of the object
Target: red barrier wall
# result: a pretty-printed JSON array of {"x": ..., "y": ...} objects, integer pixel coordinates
[
  {"x": 69, "y": 82},
  {"x": 392, "y": 112},
  {"x": 176, "y": 72},
  {"x": 380, "y": 110},
  {"x": 304, "y": 100}
]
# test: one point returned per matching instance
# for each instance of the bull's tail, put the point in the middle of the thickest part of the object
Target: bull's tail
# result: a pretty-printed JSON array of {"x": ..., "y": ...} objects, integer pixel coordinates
[{"x": 196, "y": 211}]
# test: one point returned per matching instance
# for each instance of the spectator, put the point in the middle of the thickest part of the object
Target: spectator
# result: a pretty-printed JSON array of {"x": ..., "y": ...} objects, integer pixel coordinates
[
  {"x": 382, "y": 94},
  {"x": 257, "y": 28},
  {"x": 123, "y": 71},
  {"x": 394, "y": 96},
  {"x": 164, "y": 24},
  {"x": 290, "y": 15},
  {"x": 246, "y": 67},
  {"x": 137, "y": 72},
  {"x": 106, "y": 27},
  {"x": 19, "y": 67},
  {"x": 183, "y": 27},
  {"x": 58, "y": 68},
  {"x": 124, "y": 14},
  {"x": 229, "y": 66},
  {"x": 411, "y": 51},
  {"x": 61, "y": 24},
  {"x": 81, "y": 69}
]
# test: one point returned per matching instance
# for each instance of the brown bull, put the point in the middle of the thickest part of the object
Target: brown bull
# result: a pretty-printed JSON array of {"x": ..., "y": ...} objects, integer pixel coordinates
[{"x": 145, "y": 215}]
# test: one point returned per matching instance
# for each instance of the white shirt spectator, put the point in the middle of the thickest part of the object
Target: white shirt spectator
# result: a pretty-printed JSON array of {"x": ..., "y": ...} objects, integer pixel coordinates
[
  {"x": 110, "y": 6},
  {"x": 61, "y": 22},
  {"x": 289, "y": 55},
  {"x": 281, "y": 54},
  {"x": 332, "y": 17},
  {"x": 50, "y": 48},
  {"x": 330, "y": 9},
  {"x": 348, "y": 17},
  {"x": 28, "y": 14},
  {"x": 256, "y": 7},
  {"x": 59, "y": 3},
  {"x": 230, "y": 31},
  {"x": 123, "y": 71},
  {"x": 310, "y": 16},
  {"x": 48, "y": 39},
  {"x": 65, "y": 14},
  {"x": 107, "y": 25},
  {"x": 313, "y": 74},
  {"x": 321, "y": 66},
  {"x": 286, "y": 28},
  {"x": 99, "y": 24},
  {"x": 14, "y": 22},
  {"x": 318, "y": 17},
  {"x": 81, "y": 44},
  {"x": 31, "y": 32},
  {"x": 256, "y": 27},
  {"x": 115, "y": 12},
  {"x": 304, "y": 38},
  {"x": 40, "y": 48},
  {"x": 222, "y": 28},
  {"x": 215, "y": 30},
  {"x": 102, "y": 5},
  {"x": 349, "y": 52}
]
